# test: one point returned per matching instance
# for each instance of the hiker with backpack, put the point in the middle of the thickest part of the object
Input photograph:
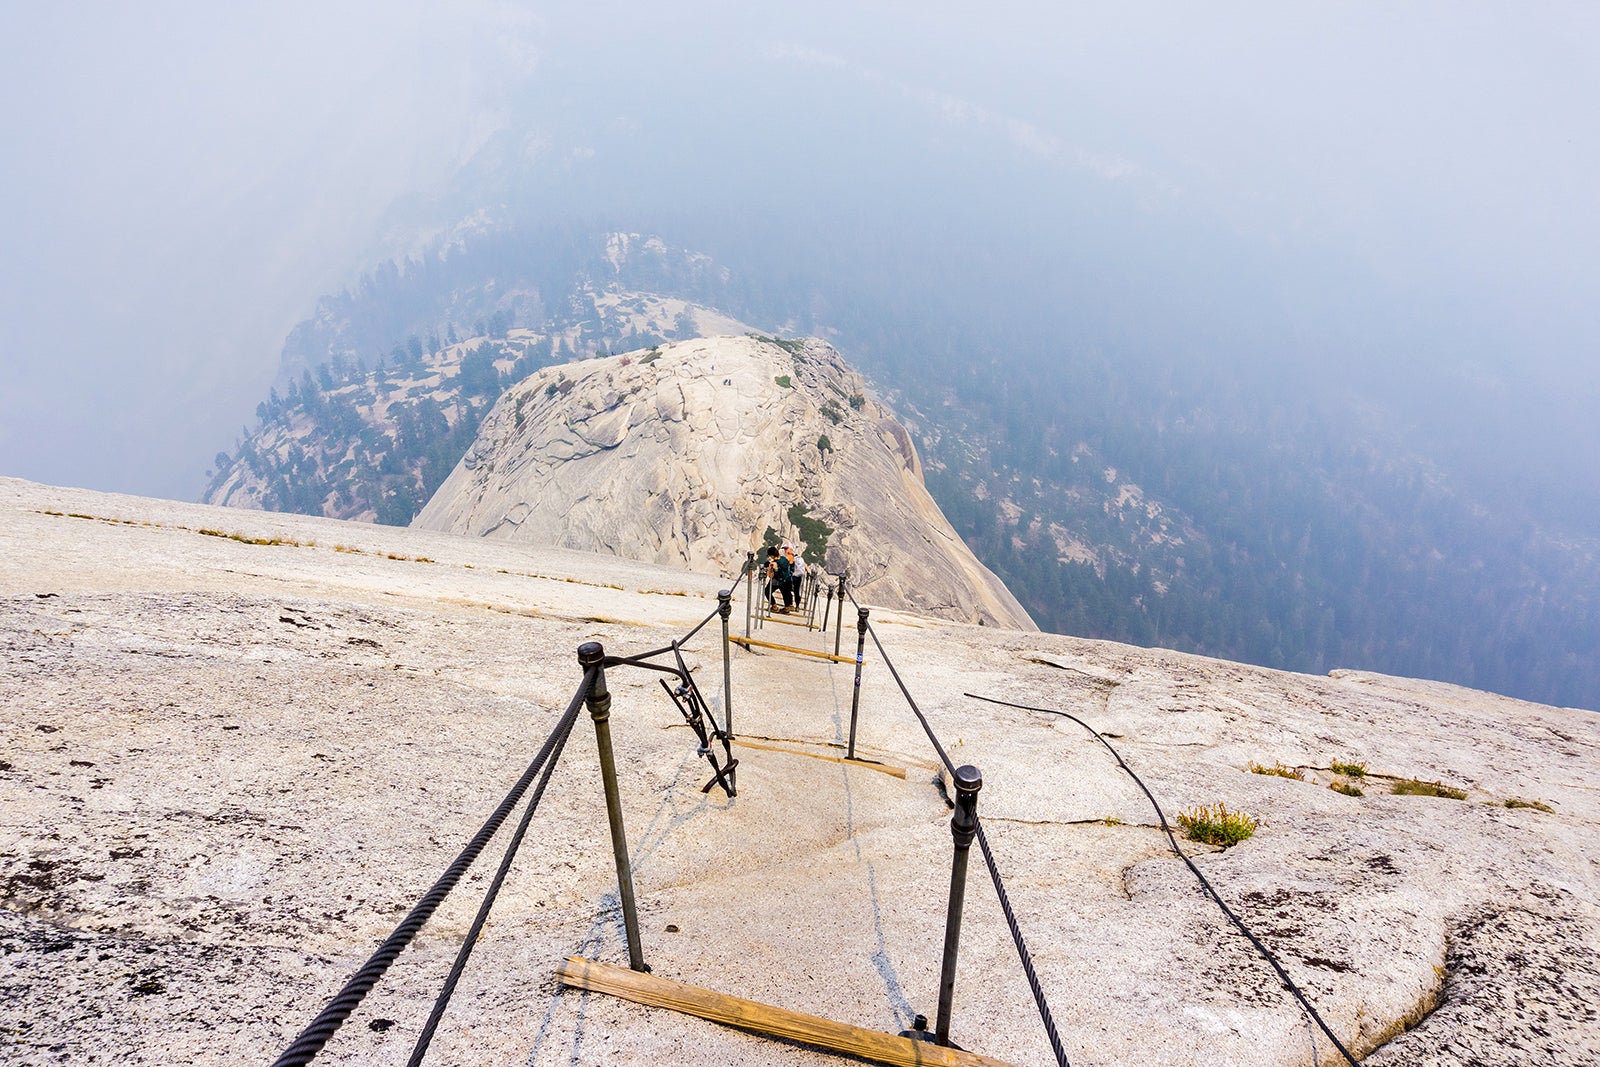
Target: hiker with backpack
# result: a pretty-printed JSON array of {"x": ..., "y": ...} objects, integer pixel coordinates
[
  {"x": 783, "y": 577},
  {"x": 769, "y": 575}
]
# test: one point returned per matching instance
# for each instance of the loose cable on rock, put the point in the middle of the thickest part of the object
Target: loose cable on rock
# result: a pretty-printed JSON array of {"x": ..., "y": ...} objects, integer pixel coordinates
[{"x": 1266, "y": 953}]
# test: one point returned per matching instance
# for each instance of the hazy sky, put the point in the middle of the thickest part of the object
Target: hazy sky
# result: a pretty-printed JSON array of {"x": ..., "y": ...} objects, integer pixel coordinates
[{"x": 181, "y": 181}]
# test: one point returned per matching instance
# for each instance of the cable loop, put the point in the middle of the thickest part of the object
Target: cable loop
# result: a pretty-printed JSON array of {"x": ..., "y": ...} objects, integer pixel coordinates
[{"x": 1266, "y": 954}]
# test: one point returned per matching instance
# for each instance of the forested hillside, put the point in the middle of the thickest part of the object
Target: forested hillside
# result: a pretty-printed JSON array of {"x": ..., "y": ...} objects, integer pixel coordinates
[{"x": 1137, "y": 500}]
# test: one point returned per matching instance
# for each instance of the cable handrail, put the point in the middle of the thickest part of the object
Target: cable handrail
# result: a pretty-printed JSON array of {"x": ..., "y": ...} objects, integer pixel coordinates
[
  {"x": 1045, "y": 1015},
  {"x": 311, "y": 1040},
  {"x": 562, "y": 731},
  {"x": 316, "y": 1035}
]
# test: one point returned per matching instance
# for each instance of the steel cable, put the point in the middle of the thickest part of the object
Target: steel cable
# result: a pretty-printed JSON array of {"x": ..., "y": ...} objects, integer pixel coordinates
[
  {"x": 562, "y": 732},
  {"x": 1022, "y": 950},
  {"x": 988, "y": 857},
  {"x": 923, "y": 719},
  {"x": 1266, "y": 953},
  {"x": 325, "y": 1025}
]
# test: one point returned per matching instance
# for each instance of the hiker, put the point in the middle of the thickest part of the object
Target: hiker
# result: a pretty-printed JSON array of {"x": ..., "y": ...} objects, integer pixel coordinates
[
  {"x": 769, "y": 574},
  {"x": 783, "y": 575},
  {"x": 797, "y": 574}
]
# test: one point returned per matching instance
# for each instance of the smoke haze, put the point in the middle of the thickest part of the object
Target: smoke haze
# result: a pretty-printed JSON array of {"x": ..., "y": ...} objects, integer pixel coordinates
[{"x": 1395, "y": 201}]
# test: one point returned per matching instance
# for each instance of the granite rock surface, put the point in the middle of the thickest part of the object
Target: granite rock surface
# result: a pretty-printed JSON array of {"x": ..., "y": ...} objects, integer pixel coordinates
[
  {"x": 235, "y": 747},
  {"x": 685, "y": 455}
]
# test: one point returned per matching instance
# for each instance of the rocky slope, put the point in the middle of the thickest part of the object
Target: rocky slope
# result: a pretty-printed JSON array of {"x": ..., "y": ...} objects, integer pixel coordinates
[
  {"x": 686, "y": 454},
  {"x": 371, "y": 441},
  {"x": 237, "y": 746}
]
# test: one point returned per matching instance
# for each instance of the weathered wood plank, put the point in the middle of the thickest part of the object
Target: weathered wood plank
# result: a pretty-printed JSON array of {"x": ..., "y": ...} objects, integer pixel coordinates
[
  {"x": 747, "y": 641},
  {"x": 787, "y": 621},
  {"x": 871, "y": 765},
  {"x": 580, "y": 973}
]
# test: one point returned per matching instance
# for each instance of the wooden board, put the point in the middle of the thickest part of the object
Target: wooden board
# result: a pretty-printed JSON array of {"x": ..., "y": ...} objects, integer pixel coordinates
[
  {"x": 764, "y": 1019},
  {"x": 789, "y": 620},
  {"x": 748, "y": 641},
  {"x": 871, "y": 765}
]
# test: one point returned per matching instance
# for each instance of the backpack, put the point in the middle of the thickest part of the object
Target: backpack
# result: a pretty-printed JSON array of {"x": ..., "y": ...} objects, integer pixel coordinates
[{"x": 785, "y": 571}]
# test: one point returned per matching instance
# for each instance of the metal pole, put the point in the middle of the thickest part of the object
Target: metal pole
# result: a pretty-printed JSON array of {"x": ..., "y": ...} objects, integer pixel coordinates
[
  {"x": 592, "y": 654},
  {"x": 827, "y": 610},
  {"x": 963, "y": 827},
  {"x": 749, "y": 586},
  {"x": 725, "y": 609},
  {"x": 855, "y": 697},
  {"x": 838, "y": 619}
]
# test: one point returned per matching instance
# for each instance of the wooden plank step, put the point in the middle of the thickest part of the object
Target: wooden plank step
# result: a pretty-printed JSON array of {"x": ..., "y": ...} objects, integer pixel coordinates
[
  {"x": 871, "y": 765},
  {"x": 580, "y": 973},
  {"x": 788, "y": 620},
  {"x": 748, "y": 641}
]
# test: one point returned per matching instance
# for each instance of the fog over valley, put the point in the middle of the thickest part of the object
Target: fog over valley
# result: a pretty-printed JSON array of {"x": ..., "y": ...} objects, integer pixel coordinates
[{"x": 1264, "y": 333}]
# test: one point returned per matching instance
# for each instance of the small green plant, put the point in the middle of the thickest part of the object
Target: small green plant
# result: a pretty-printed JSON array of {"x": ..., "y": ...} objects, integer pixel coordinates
[
  {"x": 1111, "y": 820},
  {"x": 1278, "y": 770},
  {"x": 1347, "y": 787},
  {"x": 1217, "y": 825},
  {"x": 650, "y": 357},
  {"x": 814, "y": 532},
  {"x": 1537, "y": 805},
  {"x": 1412, "y": 787},
  {"x": 823, "y": 444},
  {"x": 783, "y": 380},
  {"x": 833, "y": 411},
  {"x": 1350, "y": 770},
  {"x": 857, "y": 401}
]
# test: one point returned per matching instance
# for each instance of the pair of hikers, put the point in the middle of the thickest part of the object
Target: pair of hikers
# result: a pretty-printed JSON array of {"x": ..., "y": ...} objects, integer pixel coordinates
[{"x": 785, "y": 572}]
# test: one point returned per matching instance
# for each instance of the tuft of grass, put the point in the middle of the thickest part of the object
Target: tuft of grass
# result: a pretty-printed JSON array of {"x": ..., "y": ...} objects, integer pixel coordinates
[
  {"x": 1111, "y": 820},
  {"x": 785, "y": 381},
  {"x": 246, "y": 540},
  {"x": 1412, "y": 787},
  {"x": 1217, "y": 825},
  {"x": 1537, "y": 805},
  {"x": 1277, "y": 770},
  {"x": 1349, "y": 770},
  {"x": 1347, "y": 787}
]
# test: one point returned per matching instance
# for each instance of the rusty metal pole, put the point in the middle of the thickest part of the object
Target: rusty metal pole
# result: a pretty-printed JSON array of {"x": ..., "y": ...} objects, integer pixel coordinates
[
  {"x": 963, "y": 827},
  {"x": 749, "y": 588},
  {"x": 725, "y": 609},
  {"x": 855, "y": 697},
  {"x": 593, "y": 654},
  {"x": 838, "y": 619}
]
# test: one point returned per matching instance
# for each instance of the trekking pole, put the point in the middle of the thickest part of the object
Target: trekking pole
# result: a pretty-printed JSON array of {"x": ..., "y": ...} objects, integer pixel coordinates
[
  {"x": 855, "y": 698},
  {"x": 963, "y": 827},
  {"x": 593, "y": 654}
]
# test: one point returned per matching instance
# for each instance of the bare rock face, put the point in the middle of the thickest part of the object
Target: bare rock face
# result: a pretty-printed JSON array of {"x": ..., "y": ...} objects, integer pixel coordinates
[
  {"x": 684, "y": 456},
  {"x": 238, "y": 746}
]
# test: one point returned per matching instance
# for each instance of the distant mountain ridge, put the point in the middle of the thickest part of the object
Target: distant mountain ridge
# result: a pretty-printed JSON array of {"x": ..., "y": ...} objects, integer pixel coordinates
[{"x": 1141, "y": 502}]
